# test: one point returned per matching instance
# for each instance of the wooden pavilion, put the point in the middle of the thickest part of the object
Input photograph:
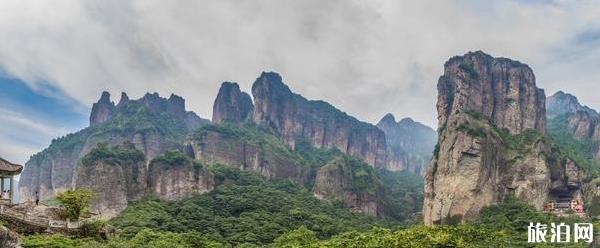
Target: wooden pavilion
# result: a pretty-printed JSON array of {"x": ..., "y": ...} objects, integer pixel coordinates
[{"x": 8, "y": 171}]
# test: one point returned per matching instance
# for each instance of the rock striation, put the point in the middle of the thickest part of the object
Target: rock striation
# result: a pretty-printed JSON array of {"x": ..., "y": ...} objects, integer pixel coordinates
[
  {"x": 323, "y": 125},
  {"x": 410, "y": 144},
  {"x": 231, "y": 104},
  {"x": 249, "y": 149},
  {"x": 173, "y": 179},
  {"x": 115, "y": 175},
  {"x": 491, "y": 141}
]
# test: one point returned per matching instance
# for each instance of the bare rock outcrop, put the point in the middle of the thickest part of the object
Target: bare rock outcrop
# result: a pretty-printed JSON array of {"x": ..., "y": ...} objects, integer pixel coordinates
[
  {"x": 116, "y": 175},
  {"x": 491, "y": 141},
  {"x": 102, "y": 110},
  {"x": 248, "y": 149},
  {"x": 231, "y": 104},
  {"x": 323, "y": 125},
  {"x": 336, "y": 181},
  {"x": 175, "y": 176}
]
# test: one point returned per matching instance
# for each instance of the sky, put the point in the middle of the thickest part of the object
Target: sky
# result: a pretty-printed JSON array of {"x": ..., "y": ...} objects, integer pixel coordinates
[{"x": 367, "y": 58}]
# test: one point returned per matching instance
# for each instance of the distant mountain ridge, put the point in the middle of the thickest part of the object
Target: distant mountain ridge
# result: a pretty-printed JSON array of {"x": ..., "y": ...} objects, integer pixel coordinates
[
  {"x": 154, "y": 146},
  {"x": 410, "y": 144}
]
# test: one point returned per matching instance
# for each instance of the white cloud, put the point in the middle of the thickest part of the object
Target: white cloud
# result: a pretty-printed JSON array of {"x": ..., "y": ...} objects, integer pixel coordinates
[
  {"x": 366, "y": 57},
  {"x": 22, "y": 136}
]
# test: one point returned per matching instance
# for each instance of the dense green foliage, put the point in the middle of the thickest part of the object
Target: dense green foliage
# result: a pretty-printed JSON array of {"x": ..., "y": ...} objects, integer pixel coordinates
[
  {"x": 250, "y": 133},
  {"x": 113, "y": 155},
  {"x": 360, "y": 176},
  {"x": 136, "y": 117},
  {"x": 243, "y": 208},
  {"x": 75, "y": 202},
  {"x": 580, "y": 151},
  {"x": 314, "y": 157},
  {"x": 247, "y": 211},
  {"x": 503, "y": 225},
  {"x": 133, "y": 118},
  {"x": 403, "y": 194},
  {"x": 175, "y": 158}
]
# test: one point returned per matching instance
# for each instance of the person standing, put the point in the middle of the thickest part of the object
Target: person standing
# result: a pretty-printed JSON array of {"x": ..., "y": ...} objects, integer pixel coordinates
[{"x": 37, "y": 198}]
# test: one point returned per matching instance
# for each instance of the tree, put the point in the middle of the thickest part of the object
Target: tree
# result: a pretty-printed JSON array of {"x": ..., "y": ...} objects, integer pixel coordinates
[
  {"x": 301, "y": 237},
  {"x": 75, "y": 201}
]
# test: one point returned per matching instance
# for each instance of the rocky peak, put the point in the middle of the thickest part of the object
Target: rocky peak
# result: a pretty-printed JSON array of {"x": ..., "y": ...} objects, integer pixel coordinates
[
  {"x": 482, "y": 100},
  {"x": 124, "y": 100},
  {"x": 562, "y": 103},
  {"x": 565, "y": 112},
  {"x": 410, "y": 144},
  {"x": 387, "y": 120},
  {"x": 408, "y": 121},
  {"x": 176, "y": 106},
  {"x": 317, "y": 122},
  {"x": 102, "y": 110},
  {"x": 501, "y": 89},
  {"x": 231, "y": 104}
]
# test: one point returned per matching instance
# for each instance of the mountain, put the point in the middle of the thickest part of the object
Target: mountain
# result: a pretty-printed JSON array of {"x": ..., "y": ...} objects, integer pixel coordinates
[
  {"x": 582, "y": 122},
  {"x": 575, "y": 128},
  {"x": 322, "y": 125},
  {"x": 152, "y": 124},
  {"x": 410, "y": 144},
  {"x": 153, "y": 147},
  {"x": 492, "y": 141},
  {"x": 231, "y": 104}
]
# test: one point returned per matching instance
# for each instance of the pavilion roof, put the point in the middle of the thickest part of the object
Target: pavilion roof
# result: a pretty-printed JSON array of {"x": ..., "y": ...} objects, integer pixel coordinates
[{"x": 8, "y": 168}]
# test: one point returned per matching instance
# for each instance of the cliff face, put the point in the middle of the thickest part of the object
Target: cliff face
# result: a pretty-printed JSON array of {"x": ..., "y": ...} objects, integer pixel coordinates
[
  {"x": 294, "y": 116},
  {"x": 103, "y": 110},
  {"x": 153, "y": 124},
  {"x": 248, "y": 149},
  {"x": 410, "y": 144},
  {"x": 343, "y": 179},
  {"x": 491, "y": 143},
  {"x": 173, "y": 179},
  {"x": 116, "y": 175},
  {"x": 231, "y": 104}
]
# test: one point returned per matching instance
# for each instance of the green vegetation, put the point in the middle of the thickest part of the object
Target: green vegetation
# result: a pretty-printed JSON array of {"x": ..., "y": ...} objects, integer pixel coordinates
[
  {"x": 113, "y": 155},
  {"x": 580, "y": 151},
  {"x": 251, "y": 133},
  {"x": 244, "y": 208},
  {"x": 75, "y": 202},
  {"x": 246, "y": 211},
  {"x": 476, "y": 126},
  {"x": 403, "y": 194},
  {"x": 314, "y": 157},
  {"x": 175, "y": 158},
  {"x": 477, "y": 132},
  {"x": 361, "y": 176},
  {"x": 136, "y": 117}
]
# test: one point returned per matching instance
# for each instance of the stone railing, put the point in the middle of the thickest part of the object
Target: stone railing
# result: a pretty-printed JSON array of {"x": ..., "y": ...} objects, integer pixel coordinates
[{"x": 38, "y": 221}]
